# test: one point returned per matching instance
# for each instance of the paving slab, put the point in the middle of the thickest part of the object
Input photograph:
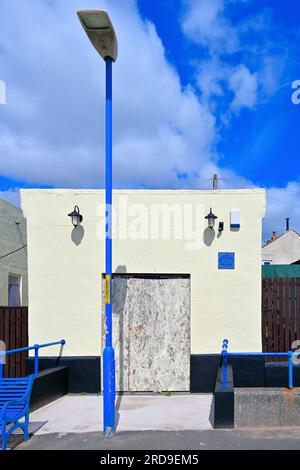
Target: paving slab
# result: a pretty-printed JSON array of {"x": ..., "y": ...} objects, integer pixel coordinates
[{"x": 83, "y": 414}]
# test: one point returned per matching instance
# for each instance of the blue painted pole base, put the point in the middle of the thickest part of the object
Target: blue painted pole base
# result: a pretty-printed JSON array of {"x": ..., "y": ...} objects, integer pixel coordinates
[{"x": 109, "y": 390}]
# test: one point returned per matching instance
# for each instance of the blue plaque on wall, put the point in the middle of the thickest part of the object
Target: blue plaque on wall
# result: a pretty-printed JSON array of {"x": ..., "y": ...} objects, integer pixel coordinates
[{"x": 226, "y": 260}]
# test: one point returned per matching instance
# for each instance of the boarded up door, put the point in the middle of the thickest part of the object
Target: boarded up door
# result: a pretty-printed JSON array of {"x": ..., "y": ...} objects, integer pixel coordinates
[{"x": 151, "y": 333}]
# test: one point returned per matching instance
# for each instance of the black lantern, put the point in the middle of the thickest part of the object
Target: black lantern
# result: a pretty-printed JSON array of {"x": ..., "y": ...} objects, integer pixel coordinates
[
  {"x": 76, "y": 217},
  {"x": 211, "y": 218}
]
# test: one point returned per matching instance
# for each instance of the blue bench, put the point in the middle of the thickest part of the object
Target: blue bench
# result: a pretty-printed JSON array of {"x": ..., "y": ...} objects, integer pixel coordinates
[{"x": 14, "y": 405}]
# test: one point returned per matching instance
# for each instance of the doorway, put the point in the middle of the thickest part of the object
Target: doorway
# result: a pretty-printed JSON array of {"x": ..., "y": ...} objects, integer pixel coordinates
[{"x": 151, "y": 332}]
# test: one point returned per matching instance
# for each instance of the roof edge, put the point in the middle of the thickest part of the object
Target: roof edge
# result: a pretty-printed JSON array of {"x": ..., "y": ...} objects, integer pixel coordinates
[{"x": 259, "y": 191}]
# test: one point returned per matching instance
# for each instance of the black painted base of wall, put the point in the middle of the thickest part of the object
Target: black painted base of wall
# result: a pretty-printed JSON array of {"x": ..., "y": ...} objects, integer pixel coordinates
[
  {"x": 247, "y": 372},
  {"x": 84, "y": 371},
  {"x": 203, "y": 370},
  {"x": 276, "y": 374},
  {"x": 48, "y": 386},
  {"x": 224, "y": 401}
]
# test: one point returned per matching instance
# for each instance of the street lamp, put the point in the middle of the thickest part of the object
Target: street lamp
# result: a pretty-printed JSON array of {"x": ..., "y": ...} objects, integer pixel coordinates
[{"x": 100, "y": 31}]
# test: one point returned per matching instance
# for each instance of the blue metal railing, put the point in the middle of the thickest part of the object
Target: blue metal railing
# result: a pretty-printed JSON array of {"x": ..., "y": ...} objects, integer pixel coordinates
[
  {"x": 36, "y": 349},
  {"x": 225, "y": 355}
]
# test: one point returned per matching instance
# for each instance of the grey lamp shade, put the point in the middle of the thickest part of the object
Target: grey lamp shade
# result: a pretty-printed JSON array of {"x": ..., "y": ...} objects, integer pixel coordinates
[{"x": 100, "y": 32}]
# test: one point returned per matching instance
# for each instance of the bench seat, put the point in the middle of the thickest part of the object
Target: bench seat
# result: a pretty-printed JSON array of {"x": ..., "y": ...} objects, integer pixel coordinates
[{"x": 14, "y": 405}]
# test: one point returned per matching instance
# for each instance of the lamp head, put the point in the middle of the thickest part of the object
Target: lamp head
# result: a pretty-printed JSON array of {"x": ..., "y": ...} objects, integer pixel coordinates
[{"x": 100, "y": 32}]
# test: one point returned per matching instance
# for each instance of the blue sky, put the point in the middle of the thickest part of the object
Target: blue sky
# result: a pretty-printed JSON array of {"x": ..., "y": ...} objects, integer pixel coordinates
[
  {"x": 257, "y": 140},
  {"x": 201, "y": 86}
]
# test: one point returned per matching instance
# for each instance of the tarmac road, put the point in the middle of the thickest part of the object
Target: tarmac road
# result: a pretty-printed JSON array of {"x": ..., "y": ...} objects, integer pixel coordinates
[{"x": 269, "y": 439}]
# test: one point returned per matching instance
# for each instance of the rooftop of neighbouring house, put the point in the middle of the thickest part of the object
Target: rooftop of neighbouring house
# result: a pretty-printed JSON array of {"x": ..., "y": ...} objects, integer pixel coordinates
[{"x": 276, "y": 237}]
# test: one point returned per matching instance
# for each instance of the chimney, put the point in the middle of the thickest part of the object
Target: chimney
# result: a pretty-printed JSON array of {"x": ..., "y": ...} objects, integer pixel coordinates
[
  {"x": 274, "y": 235},
  {"x": 215, "y": 182},
  {"x": 287, "y": 223}
]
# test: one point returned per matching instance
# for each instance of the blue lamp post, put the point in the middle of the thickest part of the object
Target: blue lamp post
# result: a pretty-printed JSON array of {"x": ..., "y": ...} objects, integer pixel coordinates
[{"x": 100, "y": 31}]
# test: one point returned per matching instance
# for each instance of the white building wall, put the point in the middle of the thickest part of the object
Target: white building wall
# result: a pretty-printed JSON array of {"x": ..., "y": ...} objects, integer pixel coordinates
[
  {"x": 284, "y": 250},
  {"x": 65, "y": 273},
  {"x": 12, "y": 237}
]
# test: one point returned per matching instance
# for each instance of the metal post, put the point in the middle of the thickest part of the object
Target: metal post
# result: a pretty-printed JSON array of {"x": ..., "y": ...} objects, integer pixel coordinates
[
  {"x": 2, "y": 357},
  {"x": 36, "y": 359},
  {"x": 290, "y": 369},
  {"x": 224, "y": 362},
  {"x": 108, "y": 353},
  {"x": 215, "y": 182},
  {"x": 224, "y": 368}
]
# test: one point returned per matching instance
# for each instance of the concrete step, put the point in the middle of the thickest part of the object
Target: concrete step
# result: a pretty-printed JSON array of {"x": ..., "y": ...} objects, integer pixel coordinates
[{"x": 266, "y": 407}]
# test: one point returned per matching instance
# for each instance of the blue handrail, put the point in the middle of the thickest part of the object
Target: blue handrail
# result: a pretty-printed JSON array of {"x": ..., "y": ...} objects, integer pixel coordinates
[
  {"x": 35, "y": 347},
  {"x": 225, "y": 354}
]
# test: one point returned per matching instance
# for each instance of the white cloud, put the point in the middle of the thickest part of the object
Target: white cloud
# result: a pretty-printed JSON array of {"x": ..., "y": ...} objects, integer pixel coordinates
[
  {"x": 243, "y": 83},
  {"x": 209, "y": 78},
  {"x": 52, "y": 129},
  {"x": 205, "y": 23}
]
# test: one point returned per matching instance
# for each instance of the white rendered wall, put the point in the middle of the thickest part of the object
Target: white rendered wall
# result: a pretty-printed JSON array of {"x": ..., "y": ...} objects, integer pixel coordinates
[{"x": 65, "y": 271}]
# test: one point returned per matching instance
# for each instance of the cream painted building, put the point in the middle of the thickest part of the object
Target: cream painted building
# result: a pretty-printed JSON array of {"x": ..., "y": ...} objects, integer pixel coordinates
[
  {"x": 13, "y": 256},
  {"x": 183, "y": 287}
]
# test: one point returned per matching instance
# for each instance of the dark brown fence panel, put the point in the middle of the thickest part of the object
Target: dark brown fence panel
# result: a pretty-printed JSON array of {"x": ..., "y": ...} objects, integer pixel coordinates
[
  {"x": 293, "y": 309},
  {"x": 280, "y": 314},
  {"x": 264, "y": 308},
  {"x": 14, "y": 333}
]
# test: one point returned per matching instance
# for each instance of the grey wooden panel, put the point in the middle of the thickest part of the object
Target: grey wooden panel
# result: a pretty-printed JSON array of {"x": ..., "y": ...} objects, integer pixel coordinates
[{"x": 151, "y": 322}]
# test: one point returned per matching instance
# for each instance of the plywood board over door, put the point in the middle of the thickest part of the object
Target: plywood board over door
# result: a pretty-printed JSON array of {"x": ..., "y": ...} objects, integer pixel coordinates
[{"x": 151, "y": 332}]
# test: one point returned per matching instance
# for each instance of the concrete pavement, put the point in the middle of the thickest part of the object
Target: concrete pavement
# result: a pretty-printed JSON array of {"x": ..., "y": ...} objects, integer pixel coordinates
[
  {"x": 145, "y": 422},
  {"x": 83, "y": 414}
]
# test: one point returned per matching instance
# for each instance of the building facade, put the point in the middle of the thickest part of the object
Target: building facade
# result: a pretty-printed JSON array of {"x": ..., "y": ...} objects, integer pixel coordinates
[
  {"x": 284, "y": 249},
  {"x": 180, "y": 287},
  {"x": 13, "y": 256}
]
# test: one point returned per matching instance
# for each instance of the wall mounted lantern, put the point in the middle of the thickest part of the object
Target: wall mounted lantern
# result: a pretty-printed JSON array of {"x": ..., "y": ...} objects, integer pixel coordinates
[
  {"x": 76, "y": 217},
  {"x": 211, "y": 218}
]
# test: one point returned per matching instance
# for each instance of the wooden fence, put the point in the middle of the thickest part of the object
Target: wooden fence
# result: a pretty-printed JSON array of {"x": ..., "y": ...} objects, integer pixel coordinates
[
  {"x": 280, "y": 314},
  {"x": 14, "y": 333}
]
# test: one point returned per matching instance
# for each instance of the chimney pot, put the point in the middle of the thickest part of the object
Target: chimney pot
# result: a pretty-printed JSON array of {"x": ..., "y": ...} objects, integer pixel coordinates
[{"x": 287, "y": 223}]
